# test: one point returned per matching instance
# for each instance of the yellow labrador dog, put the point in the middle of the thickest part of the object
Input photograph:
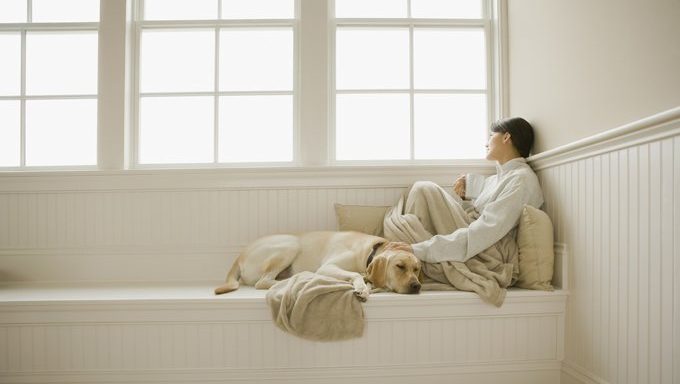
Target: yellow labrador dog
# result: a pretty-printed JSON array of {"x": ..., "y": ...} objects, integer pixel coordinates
[{"x": 343, "y": 255}]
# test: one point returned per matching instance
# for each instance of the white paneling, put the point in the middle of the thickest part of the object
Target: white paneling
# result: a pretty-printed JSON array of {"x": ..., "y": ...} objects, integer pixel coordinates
[
  {"x": 676, "y": 259},
  {"x": 83, "y": 334},
  {"x": 616, "y": 207},
  {"x": 173, "y": 224},
  {"x": 61, "y": 235}
]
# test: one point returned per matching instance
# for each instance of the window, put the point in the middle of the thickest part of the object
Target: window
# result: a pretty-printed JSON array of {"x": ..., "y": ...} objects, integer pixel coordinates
[
  {"x": 243, "y": 83},
  {"x": 216, "y": 81},
  {"x": 411, "y": 79},
  {"x": 48, "y": 82}
]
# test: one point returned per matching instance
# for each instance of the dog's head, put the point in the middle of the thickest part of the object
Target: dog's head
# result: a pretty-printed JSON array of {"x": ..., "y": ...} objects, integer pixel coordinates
[{"x": 396, "y": 270}]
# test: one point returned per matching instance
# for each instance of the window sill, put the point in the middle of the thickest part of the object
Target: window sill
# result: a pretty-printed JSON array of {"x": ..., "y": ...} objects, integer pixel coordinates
[{"x": 239, "y": 178}]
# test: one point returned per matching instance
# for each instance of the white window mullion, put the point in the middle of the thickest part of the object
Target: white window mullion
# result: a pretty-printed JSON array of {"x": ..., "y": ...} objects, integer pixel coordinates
[
  {"x": 297, "y": 85},
  {"x": 411, "y": 87},
  {"x": 498, "y": 33},
  {"x": 316, "y": 86},
  {"x": 22, "y": 107},
  {"x": 137, "y": 16},
  {"x": 216, "y": 105},
  {"x": 113, "y": 103},
  {"x": 332, "y": 91}
]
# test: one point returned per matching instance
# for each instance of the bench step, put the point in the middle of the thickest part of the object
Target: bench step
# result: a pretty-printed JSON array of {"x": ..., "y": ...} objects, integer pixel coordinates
[{"x": 121, "y": 333}]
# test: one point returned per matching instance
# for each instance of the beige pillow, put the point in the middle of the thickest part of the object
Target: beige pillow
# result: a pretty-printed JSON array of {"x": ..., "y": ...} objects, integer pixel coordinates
[
  {"x": 360, "y": 218},
  {"x": 536, "y": 253}
]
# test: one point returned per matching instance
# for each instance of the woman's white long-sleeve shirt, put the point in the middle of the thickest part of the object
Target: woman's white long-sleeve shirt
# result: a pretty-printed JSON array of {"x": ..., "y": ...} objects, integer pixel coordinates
[{"x": 499, "y": 200}]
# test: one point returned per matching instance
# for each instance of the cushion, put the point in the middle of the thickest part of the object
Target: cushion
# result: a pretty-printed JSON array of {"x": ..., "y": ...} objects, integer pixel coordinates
[
  {"x": 361, "y": 218},
  {"x": 536, "y": 253}
]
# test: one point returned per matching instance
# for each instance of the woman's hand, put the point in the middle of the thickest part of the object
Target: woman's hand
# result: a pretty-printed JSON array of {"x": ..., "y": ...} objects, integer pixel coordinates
[
  {"x": 459, "y": 186},
  {"x": 399, "y": 246}
]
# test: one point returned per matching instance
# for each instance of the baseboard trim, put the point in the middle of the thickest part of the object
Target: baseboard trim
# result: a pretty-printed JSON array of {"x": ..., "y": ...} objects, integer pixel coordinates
[
  {"x": 387, "y": 373},
  {"x": 581, "y": 374}
]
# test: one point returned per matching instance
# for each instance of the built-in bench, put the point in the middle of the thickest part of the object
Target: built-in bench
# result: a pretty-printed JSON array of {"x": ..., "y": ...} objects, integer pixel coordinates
[
  {"x": 78, "y": 230},
  {"x": 181, "y": 332}
]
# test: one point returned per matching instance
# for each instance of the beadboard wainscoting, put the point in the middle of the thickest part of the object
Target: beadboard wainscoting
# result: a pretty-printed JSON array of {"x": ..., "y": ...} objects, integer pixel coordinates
[
  {"x": 126, "y": 336},
  {"x": 125, "y": 235},
  {"x": 174, "y": 225},
  {"x": 614, "y": 199}
]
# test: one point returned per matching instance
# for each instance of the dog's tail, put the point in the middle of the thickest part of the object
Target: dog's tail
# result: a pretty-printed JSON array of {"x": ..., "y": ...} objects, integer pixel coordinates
[{"x": 231, "y": 283}]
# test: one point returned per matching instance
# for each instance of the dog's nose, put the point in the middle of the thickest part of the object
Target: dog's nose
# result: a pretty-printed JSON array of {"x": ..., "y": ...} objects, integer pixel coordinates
[{"x": 415, "y": 287}]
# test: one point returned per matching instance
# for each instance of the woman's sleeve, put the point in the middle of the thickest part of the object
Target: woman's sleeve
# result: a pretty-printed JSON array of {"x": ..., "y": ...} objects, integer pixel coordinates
[
  {"x": 473, "y": 185},
  {"x": 496, "y": 220}
]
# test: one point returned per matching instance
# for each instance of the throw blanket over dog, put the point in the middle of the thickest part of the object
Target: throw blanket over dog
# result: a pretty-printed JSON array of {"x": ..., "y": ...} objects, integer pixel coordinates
[
  {"x": 316, "y": 307},
  {"x": 431, "y": 211}
]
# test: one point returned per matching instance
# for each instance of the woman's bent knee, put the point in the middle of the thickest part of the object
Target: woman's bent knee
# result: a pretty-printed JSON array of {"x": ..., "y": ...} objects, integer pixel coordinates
[{"x": 420, "y": 186}]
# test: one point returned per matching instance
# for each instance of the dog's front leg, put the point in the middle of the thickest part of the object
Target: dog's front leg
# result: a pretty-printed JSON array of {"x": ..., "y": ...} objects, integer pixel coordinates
[{"x": 361, "y": 290}]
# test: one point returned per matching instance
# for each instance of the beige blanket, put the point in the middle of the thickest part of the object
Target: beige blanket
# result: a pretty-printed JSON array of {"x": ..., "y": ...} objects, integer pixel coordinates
[
  {"x": 316, "y": 307},
  {"x": 436, "y": 212}
]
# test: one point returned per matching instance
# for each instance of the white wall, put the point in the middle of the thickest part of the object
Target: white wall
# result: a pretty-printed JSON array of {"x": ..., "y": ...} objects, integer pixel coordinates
[
  {"x": 579, "y": 67},
  {"x": 616, "y": 206}
]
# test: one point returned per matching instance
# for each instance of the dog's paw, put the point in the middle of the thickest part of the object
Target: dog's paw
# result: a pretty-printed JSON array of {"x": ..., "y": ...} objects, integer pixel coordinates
[{"x": 362, "y": 294}]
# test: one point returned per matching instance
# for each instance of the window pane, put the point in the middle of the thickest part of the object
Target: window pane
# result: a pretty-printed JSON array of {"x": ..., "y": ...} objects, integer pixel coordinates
[
  {"x": 256, "y": 128},
  {"x": 372, "y": 127},
  {"x": 61, "y": 63},
  {"x": 258, "y": 9},
  {"x": 61, "y": 132},
  {"x": 449, "y": 59},
  {"x": 180, "y": 9},
  {"x": 13, "y": 11},
  {"x": 176, "y": 130},
  {"x": 446, "y": 9},
  {"x": 450, "y": 126},
  {"x": 256, "y": 60},
  {"x": 10, "y": 133},
  {"x": 371, "y": 8},
  {"x": 10, "y": 64},
  {"x": 372, "y": 58},
  {"x": 49, "y": 11},
  {"x": 177, "y": 60}
]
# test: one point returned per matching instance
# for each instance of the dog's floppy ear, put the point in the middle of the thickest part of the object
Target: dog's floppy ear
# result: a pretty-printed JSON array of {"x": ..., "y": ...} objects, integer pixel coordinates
[
  {"x": 421, "y": 274},
  {"x": 377, "y": 271}
]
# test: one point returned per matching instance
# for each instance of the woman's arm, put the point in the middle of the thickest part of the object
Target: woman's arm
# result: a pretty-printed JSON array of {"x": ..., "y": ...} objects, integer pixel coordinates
[{"x": 496, "y": 220}]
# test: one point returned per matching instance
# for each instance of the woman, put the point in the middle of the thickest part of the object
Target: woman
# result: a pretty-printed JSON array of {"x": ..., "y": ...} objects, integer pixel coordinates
[{"x": 483, "y": 210}]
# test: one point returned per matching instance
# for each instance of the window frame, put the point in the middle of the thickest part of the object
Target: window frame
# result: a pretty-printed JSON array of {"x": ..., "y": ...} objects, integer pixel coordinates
[
  {"x": 314, "y": 130},
  {"x": 493, "y": 27},
  {"x": 217, "y": 24},
  {"x": 23, "y": 29}
]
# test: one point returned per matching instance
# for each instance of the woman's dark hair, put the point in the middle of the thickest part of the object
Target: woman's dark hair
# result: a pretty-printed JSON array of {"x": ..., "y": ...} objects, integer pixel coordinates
[{"x": 521, "y": 133}]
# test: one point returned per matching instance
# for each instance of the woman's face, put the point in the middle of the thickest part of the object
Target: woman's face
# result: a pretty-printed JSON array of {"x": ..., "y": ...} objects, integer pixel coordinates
[{"x": 495, "y": 146}]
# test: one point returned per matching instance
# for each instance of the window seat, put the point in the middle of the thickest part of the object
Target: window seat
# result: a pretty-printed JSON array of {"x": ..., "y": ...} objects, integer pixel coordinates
[{"x": 182, "y": 332}]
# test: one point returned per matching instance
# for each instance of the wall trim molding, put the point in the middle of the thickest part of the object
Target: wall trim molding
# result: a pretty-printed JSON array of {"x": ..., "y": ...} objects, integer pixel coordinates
[{"x": 653, "y": 128}]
